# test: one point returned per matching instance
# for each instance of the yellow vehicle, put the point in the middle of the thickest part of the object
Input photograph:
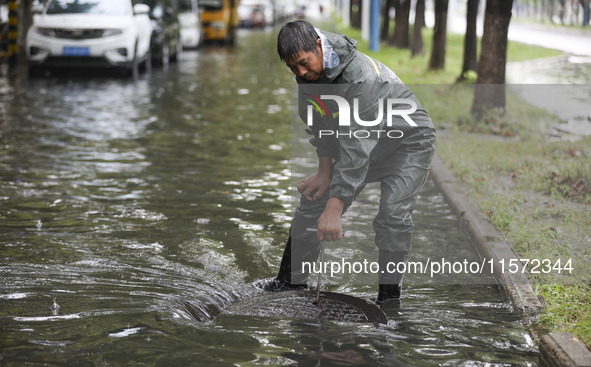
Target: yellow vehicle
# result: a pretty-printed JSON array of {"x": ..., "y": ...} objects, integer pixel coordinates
[{"x": 220, "y": 19}]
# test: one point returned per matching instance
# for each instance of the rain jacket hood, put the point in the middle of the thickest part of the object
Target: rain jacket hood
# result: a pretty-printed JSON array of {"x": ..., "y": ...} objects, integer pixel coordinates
[
  {"x": 343, "y": 63},
  {"x": 338, "y": 52}
]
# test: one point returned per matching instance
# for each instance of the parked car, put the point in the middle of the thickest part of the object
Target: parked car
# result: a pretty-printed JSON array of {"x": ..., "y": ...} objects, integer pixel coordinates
[
  {"x": 190, "y": 19},
  {"x": 85, "y": 33},
  {"x": 166, "y": 31}
]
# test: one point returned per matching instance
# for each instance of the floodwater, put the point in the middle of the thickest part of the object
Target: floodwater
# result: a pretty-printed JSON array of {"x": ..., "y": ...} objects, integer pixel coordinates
[{"x": 133, "y": 212}]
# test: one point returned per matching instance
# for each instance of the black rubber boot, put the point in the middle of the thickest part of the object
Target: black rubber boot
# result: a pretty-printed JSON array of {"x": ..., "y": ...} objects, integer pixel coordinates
[
  {"x": 388, "y": 292},
  {"x": 282, "y": 282},
  {"x": 389, "y": 299},
  {"x": 390, "y": 281}
]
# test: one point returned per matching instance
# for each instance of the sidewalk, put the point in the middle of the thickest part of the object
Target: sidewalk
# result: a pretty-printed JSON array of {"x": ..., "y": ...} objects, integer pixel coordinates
[{"x": 571, "y": 40}]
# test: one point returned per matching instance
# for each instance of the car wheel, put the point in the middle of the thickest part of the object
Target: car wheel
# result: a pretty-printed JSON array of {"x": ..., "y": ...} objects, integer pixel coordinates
[
  {"x": 134, "y": 68},
  {"x": 147, "y": 64},
  {"x": 200, "y": 36},
  {"x": 165, "y": 54},
  {"x": 179, "y": 51},
  {"x": 36, "y": 71}
]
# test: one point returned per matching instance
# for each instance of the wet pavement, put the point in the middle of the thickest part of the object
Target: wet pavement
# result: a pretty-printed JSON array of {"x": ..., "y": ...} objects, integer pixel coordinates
[{"x": 134, "y": 212}]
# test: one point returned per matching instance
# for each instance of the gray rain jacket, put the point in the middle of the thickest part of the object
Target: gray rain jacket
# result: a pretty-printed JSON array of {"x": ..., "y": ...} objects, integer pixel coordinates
[{"x": 355, "y": 75}]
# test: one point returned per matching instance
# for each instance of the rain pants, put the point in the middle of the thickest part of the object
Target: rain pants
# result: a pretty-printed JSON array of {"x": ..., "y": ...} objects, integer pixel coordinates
[{"x": 400, "y": 165}]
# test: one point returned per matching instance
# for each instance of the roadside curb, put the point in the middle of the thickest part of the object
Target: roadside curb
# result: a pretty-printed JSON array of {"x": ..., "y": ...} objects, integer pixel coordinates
[
  {"x": 489, "y": 241},
  {"x": 564, "y": 350},
  {"x": 556, "y": 349}
]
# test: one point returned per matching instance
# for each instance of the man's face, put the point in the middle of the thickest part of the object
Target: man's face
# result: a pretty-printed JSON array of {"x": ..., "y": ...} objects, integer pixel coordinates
[{"x": 307, "y": 65}]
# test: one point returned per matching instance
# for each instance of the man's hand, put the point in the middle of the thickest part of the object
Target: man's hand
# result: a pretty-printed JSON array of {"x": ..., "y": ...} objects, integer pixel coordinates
[
  {"x": 329, "y": 223},
  {"x": 314, "y": 186}
]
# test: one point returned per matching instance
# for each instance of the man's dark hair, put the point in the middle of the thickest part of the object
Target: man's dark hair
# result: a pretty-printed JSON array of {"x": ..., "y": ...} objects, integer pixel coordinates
[{"x": 296, "y": 37}]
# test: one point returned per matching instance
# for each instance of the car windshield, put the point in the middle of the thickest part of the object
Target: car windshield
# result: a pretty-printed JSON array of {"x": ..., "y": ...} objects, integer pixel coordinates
[
  {"x": 211, "y": 4},
  {"x": 108, "y": 7}
]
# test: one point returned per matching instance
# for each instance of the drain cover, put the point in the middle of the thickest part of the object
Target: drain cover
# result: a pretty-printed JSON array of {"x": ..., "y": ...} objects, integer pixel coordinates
[{"x": 300, "y": 304}]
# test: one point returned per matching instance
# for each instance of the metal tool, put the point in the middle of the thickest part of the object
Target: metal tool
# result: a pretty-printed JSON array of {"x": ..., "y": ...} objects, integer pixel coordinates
[{"x": 322, "y": 245}]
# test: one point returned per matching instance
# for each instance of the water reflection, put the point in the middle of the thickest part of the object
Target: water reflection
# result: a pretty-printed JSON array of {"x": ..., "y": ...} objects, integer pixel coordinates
[{"x": 144, "y": 208}]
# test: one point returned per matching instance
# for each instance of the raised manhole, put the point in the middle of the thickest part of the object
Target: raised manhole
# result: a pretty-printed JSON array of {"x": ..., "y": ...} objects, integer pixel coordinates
[{"x": 300, "y": 305}]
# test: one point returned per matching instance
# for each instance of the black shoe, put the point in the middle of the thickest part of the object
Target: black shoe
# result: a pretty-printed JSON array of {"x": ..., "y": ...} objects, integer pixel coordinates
[
  {"x": 276, "y": 285},
  {"x": 389, "y": 293},
  {"x": 389, "y": 299}
]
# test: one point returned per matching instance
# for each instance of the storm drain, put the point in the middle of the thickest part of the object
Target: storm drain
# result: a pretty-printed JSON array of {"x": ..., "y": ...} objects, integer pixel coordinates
[{"x": 300, "y": 305}]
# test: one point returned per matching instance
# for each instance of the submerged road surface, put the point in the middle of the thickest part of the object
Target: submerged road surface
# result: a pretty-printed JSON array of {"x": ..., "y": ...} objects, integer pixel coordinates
[{"x": 133, "y": 212}]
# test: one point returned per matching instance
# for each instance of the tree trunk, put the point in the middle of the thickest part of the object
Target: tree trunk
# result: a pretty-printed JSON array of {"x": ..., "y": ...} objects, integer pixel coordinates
[
  {"x": 356, "y": 13},
  {"x": 493, "y": 57},
  {"x": 585, "y": 4},
  {"x": 386, "y": 20},
  {"x": 417, "y": 47},
  {"x": 422, "y": 14},
  {"x": 470, "y": 40},
  {"x": 561, "y": 13},
  {"x": 437, "y": 61},
  {"x": 400, "y": 38}
]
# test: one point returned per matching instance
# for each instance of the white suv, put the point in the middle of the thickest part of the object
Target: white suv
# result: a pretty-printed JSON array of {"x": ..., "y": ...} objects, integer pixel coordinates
[{"x": 90, "y": 33}]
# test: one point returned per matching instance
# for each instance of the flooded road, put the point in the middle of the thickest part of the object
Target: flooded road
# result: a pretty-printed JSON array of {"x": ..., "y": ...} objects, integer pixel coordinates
[{"x": 132, "y": 213}]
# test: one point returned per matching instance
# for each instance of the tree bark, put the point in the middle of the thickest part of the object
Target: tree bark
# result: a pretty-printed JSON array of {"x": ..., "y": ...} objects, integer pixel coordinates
[
  {"x": 493, "y": 57},
  {"x": 422, "y": 14},
  {"x": 400, "y": 37},
  {"x": 470, "y": 40},
  {"x": 437, "y": 60},
  {"x": 417, "y": 47},
  {"x": 356, "y": 13},
  {"x": 386, "y": 19}
]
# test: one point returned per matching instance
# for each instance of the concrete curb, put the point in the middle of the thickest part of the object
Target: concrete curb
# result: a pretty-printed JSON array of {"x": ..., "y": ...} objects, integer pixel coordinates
[
  {"x": 562, "y": 349},
  {"x": 488, "y": 240},
  {"x": 556, "y": 349}
]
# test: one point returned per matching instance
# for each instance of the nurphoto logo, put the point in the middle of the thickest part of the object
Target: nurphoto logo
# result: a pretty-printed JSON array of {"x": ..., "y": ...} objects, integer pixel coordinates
[{"x": 392, "y": 107}]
